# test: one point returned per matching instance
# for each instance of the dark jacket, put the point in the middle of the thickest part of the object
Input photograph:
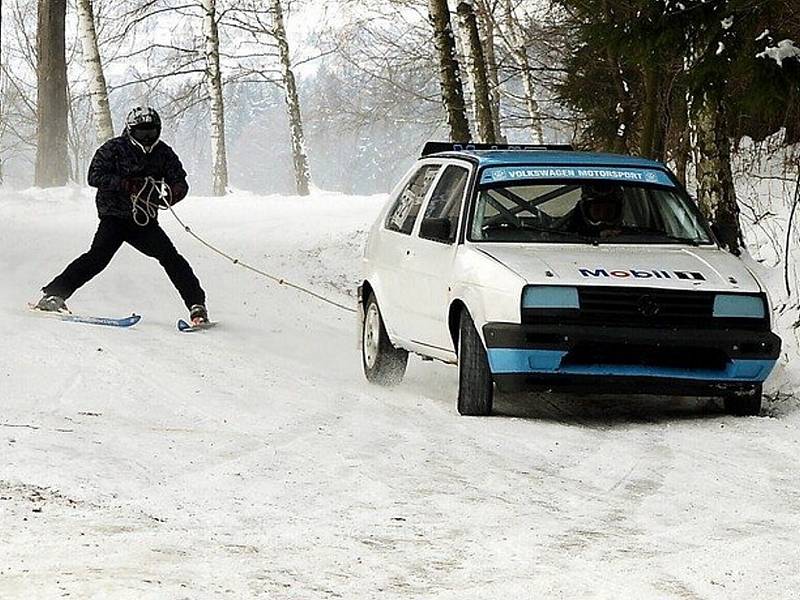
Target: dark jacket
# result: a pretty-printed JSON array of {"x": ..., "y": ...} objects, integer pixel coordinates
[{"x": 120, "y": 159}]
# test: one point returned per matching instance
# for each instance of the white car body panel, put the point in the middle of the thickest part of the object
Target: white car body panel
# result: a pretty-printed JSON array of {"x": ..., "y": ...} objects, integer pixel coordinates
[
  {"x": 490, "y": 290},
  {"x": 410, "y": 277},
  {"x": 636, "y": 265}
]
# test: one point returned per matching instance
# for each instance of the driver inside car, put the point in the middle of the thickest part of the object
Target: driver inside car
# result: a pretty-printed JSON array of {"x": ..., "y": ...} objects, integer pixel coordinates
[{"x": 598, "y": 213}]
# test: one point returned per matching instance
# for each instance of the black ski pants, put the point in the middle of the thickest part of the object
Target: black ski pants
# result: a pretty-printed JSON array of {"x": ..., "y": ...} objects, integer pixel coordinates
[{"x": 150, "y": 240}]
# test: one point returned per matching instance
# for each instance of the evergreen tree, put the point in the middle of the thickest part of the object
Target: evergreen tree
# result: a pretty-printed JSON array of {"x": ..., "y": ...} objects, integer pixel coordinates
[{"x": 642, "y": 73}]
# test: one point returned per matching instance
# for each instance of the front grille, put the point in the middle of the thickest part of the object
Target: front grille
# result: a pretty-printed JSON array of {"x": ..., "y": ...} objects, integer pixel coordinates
[{"x": 643, "y": 307}]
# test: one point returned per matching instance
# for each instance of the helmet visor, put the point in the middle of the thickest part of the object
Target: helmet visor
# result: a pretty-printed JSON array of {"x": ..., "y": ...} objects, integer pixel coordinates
[
  {"x": 603, "y": 211},
  {"x": 146, "y": 135}
]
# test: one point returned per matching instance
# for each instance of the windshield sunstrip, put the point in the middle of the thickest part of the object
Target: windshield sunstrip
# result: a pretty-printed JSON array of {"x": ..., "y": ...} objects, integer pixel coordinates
[{"x": 630, "y": 175}]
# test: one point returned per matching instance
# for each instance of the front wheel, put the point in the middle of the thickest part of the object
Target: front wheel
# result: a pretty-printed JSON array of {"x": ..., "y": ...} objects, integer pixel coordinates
[
  {"x": 475, "y": 384},
  {"x": 746, "y": 403},
  {"x": 383, "y": 363}
]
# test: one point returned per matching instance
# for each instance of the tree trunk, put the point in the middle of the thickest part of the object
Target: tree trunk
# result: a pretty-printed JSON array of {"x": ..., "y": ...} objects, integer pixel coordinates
[
  {"x": 487, "y": 25},
  {"x": 518, "y": 50},
  {"x": 649, "y": 111},
  {"x": 683, "y": 145},
  {"x": 653, "y": 126},
  {"x": 219, "y": 155},
  {"x": 623, "y": 110},
  {"x": 51, "y": 101},
  {"x": 301, "y": 175},
  {"x": 681, "y": 158},
  {"x": 449, "y": 75},
  {"x": 2, "y": 89},
  {"x": 477, "y": 69},
  {"x": 716, "y": 194},
  {"x": 98, "y": 90}
]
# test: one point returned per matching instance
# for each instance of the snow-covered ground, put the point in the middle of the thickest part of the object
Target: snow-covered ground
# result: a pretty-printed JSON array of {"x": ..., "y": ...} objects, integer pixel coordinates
[{"x": 253, "y": 461}]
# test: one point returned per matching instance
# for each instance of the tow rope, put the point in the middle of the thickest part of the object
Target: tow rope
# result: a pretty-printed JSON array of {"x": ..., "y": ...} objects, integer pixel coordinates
[{"x": 145, "y": 208}]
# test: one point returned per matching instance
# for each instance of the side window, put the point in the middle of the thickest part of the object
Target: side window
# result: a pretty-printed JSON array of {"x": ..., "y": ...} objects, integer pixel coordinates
[
  {"x": 405, "y": 210},
  {"x": 440, "y": 222}
]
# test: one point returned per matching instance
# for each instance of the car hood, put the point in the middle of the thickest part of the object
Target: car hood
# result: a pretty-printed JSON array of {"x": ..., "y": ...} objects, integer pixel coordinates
[{"x": 681, "y": 267}]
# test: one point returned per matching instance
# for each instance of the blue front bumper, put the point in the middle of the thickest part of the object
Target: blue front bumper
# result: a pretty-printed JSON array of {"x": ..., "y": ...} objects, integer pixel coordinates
[
  {"x": 689, "y": 360},
  {"x": 549, "y": 362}
]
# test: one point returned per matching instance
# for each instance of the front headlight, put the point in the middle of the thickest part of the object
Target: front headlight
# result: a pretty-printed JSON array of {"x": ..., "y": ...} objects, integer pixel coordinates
[
  {"x": 739, "y": 306},
  {"x": 550, "y": 297}
]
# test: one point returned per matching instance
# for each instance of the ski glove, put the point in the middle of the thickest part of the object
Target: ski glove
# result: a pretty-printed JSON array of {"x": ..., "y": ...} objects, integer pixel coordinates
[{"x": 179, "y": 191}]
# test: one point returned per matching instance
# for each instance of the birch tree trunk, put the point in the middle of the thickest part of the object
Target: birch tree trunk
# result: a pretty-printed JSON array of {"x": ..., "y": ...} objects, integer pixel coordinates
[
  {"x": 2, "y": 89},
  {"x": 301, "y": 174},
  {"x": 98, "y": 90},
  {"x": 486, "y": 25},
  {"x": 449, "y": 75},
  {"x": 716, "y": 194},
  {"x": 477, "y": 71},
  {"x": 219, "y": 155},
  {"x": 515, "y": 44},
  {"x": 51, "y": 99}
]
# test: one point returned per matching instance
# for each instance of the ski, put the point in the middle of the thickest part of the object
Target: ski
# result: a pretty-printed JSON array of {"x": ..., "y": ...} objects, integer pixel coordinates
[
  {"x": 89, "y": 320},
  {"x": 186, "y": 327}
]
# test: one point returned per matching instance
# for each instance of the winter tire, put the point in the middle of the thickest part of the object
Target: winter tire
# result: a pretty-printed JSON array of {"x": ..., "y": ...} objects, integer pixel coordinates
[
  {"x": 747, "y": 403},
  {"x": 383, "y": 363},
  {"x": 475, "y": 385}
]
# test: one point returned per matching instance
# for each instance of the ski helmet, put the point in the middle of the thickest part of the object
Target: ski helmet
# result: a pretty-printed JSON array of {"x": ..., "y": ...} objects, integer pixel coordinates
[{"x": 143, "y": 125}]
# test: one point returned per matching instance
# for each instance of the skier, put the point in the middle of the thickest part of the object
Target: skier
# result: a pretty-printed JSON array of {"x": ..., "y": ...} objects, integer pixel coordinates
[{"x": 127, "y": 171}]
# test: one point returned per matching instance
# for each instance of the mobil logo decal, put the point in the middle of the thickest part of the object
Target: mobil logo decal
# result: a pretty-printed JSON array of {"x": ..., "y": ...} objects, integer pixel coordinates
[{"x": 600, "y": 273}]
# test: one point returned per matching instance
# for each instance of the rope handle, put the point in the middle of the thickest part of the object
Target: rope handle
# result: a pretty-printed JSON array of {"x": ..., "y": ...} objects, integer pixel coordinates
[
  {"x": 150, "y": 210},
  {"x": 144, "y": 205}
]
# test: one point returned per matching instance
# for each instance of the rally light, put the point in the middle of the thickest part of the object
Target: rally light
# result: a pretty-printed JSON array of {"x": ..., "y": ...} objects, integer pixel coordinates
[
  {"x": 550, "y": 297},
  {"x": 739, "y": 306}
]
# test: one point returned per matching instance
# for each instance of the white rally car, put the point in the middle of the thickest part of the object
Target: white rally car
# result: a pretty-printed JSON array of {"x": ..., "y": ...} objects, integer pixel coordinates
[{"x": 545, "y": 268}]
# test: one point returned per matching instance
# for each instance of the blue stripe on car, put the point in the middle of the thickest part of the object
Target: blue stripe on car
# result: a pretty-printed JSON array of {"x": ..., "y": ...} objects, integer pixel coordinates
[{"x": 517, "y": 360}]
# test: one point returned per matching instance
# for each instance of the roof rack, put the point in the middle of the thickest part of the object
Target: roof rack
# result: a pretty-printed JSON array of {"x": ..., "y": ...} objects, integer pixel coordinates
[{"x": 436, "y": 147}]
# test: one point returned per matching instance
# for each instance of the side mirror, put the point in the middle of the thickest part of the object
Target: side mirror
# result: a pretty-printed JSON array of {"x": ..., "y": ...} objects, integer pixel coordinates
[{"x": 438, "y": 230}]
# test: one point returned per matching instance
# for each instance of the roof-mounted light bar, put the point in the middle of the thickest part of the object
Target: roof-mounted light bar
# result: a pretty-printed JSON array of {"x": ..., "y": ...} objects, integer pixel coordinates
[{"x": 436, "y": 147}]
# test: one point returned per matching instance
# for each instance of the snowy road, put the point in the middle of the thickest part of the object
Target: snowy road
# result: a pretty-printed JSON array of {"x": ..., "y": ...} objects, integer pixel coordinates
[{"x": 254, "y": 462}]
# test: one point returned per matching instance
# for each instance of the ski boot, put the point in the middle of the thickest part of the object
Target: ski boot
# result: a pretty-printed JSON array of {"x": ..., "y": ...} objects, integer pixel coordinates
[
  {"x": 198, "y": 315},
  {"x": 51, "y": 303}
]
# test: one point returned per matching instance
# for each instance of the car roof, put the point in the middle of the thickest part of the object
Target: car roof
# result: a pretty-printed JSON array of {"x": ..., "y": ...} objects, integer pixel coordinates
[{"x": 493, "y": 158}]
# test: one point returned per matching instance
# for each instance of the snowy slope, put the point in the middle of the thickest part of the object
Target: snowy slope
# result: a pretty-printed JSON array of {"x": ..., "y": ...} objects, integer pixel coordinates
[{"x": 254, "y": 462}]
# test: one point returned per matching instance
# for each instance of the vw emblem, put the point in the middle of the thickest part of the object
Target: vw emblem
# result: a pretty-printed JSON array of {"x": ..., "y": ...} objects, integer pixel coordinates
[{"x": 648, "y": 307}]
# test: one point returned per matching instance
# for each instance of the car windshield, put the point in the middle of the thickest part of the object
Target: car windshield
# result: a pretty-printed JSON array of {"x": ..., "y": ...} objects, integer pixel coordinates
[{"x": 587, "y": 211}]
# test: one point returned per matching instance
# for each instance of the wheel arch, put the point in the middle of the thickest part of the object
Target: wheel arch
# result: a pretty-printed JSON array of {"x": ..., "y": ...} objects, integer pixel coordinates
[
  {"x": 457, "y": 307},
  {"x": 372, "y": 287},
  {"x": 365, "y": 290}
]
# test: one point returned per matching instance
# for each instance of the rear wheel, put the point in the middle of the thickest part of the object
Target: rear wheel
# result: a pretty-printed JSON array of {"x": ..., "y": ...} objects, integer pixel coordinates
[
  {"x": 745, "y": 403},
  {"x": 383, "y": 363},
  {"x": 475, "y": 385}
]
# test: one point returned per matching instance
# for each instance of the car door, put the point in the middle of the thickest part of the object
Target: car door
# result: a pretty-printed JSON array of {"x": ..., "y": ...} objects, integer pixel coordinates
[
  {"x": 395, "y": 249},
  {"x": 430, "y": 260}
]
